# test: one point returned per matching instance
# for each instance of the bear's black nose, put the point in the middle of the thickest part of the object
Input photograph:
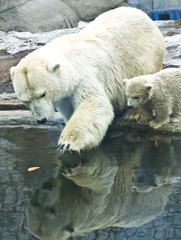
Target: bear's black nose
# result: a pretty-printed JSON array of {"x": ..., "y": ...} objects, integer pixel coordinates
[{"x": 44, "y": 120}]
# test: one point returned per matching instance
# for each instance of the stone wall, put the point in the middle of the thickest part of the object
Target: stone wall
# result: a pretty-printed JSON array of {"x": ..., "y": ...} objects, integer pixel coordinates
[
  {"x": 48, "y": 15},
  {"x": 88, "y": 9}
]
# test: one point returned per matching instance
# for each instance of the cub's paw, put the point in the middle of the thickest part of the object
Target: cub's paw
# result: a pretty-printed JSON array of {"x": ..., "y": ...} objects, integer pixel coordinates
[
  {"x": 132, "y": 115},
  {"x": 143, "y": 121},
  {"x": 175, "y": 119},
  {"x": 157, "y": 124}
]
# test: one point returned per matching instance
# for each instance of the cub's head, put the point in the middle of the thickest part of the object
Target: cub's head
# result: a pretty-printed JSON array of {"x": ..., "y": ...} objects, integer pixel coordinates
[
  {"x": 36, "y": 83},
  {"x": 138, "y": 91}
]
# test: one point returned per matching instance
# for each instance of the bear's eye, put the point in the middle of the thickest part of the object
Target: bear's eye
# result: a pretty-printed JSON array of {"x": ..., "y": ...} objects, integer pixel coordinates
[
  {"x": 42, "y": 95},
  {"x": 26, "y": 103},
  {"x": 136, "y": 97}
]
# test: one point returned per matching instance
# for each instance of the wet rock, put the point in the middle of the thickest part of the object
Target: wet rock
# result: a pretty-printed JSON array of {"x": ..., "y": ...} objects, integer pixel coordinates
[
  {"x": 170, "y": 128},
  {"x": 10, "y": 102}
]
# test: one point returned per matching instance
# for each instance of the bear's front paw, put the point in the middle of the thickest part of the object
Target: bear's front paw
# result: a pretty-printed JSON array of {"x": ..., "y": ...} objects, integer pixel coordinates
[
  {"x": 69, "y": 144},
  {"x": 132, "y": 115},
  {"x": 143, "y": 121},
  {"x": 157, "y": 124},
  {"x": 73, "y": 140}
]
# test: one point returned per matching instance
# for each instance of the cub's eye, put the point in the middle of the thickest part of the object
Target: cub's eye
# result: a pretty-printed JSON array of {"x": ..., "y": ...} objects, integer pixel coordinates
[
  {"x": 136, "y": 97},
  {"x": 42, "y": 95}
]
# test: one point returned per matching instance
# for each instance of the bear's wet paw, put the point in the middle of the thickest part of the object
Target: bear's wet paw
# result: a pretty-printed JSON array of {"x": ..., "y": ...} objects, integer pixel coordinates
[
  {"x": 66, "y": 171},
  {"x": 70, "y": 145}
]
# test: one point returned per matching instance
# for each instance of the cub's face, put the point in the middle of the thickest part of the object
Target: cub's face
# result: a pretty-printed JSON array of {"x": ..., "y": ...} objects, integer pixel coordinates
[
  {"x": 137, "y": 91},
  {"x": 36, "y": 86}
]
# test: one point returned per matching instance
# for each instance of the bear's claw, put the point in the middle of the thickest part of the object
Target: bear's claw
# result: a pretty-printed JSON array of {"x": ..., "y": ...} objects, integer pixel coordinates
[{"x": 63, "y": 146}]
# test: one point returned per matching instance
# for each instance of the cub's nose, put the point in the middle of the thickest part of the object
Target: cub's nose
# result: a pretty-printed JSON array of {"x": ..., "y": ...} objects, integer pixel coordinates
[
  {"x": 130, "y": 106},
  {"x": 42, "y": 121}
]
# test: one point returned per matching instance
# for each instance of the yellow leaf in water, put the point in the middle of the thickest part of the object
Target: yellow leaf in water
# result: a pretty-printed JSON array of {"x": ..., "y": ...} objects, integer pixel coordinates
[{"x": 31, "y": 169}]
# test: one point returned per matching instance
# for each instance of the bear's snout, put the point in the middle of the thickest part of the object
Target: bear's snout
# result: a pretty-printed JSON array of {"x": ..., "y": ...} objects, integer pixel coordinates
[{"x": 42, "y": 121}]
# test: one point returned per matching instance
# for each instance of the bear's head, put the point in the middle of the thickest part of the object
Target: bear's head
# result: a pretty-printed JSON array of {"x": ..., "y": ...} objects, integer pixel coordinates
[
  {"x": 138, "y": 91},
  {"x": 39, "y": 84}
]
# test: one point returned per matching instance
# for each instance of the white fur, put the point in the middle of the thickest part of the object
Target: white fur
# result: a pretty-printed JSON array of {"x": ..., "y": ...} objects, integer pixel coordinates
[{"x": 81, "y": 74}]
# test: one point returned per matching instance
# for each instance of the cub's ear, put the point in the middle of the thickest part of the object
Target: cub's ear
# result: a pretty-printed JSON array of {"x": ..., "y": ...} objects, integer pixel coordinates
[
  {"x": 53, "y": 68},
  {"x": 148, "y": 87},
  {"x": 12, "y": 72},
  {"x": 125, "y": 81}
]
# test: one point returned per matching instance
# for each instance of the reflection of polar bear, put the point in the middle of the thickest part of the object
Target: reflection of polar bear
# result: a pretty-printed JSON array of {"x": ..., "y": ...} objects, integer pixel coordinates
[
  {"x": 81, "y": 74},
  {"x": 99, "y": 188}
]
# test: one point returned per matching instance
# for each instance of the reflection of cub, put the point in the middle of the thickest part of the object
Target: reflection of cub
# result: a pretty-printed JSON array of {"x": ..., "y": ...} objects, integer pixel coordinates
[
  {"x": 93, "y": 191},
  {"x": 159, "y": 92}
]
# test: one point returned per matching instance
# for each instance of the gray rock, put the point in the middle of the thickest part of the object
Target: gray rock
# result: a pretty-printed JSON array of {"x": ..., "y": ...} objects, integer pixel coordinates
[
  {"x": 6, "y": 5},
  {"x": 173, "y": 56},
  {"x": 87, "y": 10},
  {"x": 146, "y": 5},
  {"x": 10, "y": 196},
  {"x": 21, "y": 117},
  {"x": 15, "y": 42},
  {"x": 37, "y": 16},
  {"x": 166, "y": 3}
]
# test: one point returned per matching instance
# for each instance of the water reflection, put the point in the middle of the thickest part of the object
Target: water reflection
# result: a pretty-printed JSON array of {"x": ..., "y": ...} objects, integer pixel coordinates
[{"x": 123, "y": 183}]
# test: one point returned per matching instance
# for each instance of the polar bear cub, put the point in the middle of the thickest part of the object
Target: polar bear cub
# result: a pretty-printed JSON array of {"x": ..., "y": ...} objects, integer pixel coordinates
[
  {"x": 81, "y": 74},
  {"x": 158, "y": 96}
]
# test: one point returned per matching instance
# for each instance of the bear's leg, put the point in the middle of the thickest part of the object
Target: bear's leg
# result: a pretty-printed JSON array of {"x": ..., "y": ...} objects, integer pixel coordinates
[
  {"x": 88, "y": 125},
  {"x": 161, "y": 116},
  {"x": 176, "y": 115},
  {"x": 146, "y": 115}
]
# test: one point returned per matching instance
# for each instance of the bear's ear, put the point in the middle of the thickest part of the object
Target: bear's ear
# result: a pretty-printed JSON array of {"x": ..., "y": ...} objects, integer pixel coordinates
[
  {"x": 12, "y": 72},
  {"x": 52, "y": 68},
  {"x": 69, "y": 229},
  {"x": 148, "y": 87},
  {"x": 125, "y": 81}
]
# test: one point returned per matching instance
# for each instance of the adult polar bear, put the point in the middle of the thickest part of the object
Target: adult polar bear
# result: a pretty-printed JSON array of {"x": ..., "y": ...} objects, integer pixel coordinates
[{"x": 81, "y": 74}]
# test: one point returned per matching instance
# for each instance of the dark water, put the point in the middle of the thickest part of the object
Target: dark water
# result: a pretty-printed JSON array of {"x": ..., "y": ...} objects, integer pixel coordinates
[{"x": 127, "y": 189}]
